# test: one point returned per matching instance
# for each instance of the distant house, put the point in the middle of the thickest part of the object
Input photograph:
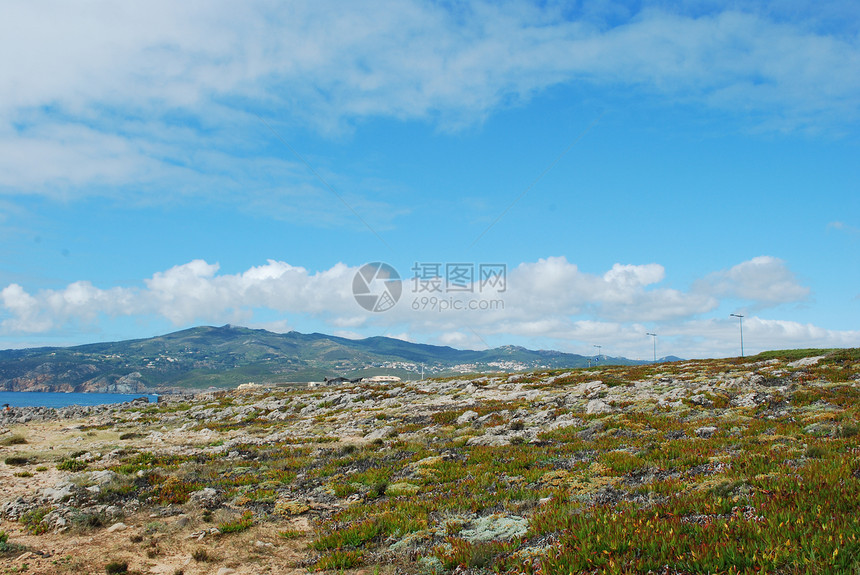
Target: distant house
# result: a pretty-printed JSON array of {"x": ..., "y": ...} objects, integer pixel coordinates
[
  {"x": 338, "y": 380},
  {"x": 381, "y": 379}
]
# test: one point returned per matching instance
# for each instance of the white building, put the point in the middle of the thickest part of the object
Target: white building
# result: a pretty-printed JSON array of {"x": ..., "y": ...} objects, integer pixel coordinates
[{"x": 381, "y": 379}]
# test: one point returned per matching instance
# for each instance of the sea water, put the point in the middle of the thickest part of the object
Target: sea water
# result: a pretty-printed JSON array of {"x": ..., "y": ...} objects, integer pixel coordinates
[{"x": 56, "y": 399}]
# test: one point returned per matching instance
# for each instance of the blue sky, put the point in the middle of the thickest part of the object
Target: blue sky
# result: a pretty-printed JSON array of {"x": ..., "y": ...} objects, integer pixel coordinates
[{"x": 634, "y": 166}]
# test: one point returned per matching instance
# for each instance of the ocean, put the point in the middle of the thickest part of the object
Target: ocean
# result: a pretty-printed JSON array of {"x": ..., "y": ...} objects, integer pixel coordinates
[{"x": 53, "y": 399}]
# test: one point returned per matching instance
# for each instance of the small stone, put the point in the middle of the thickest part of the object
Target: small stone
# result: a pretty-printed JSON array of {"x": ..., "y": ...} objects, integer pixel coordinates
[
  {"x": 59, "y": 493},
  {"x": 206, "y": 498},
  {"x": 102, "y": 476},
  {"x": 466, "y": 417},
  {"x": 747, "y": 400},
  {"x": 701, "y": 400},
  {"x": 120, "y": 526},
  {"x": 380, "y": 433},
  {"x": 806, "y": 361},
  {"x": 490, "y": 440},
  {"x": 597, "y": 406},
  {"x": 706, "y": 431}
]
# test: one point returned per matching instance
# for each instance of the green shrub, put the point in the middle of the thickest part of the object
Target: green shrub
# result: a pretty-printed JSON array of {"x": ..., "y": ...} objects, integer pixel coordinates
[
  {"x": 14, "y": 440},
  {"x": 235, "y": 526},
  {"x": 87, "y": 521},
  {"x": 464, "y": 554},
  {"x": 339, "y": 560},
  {"x": 445, "y": 417},
  {"x": 32, "y": 520},
  {"x": 72, "y": 465},
  {"x": 201, "y": 556},
  {"x": 356, "y": 535},
  {"x": 16, "y": 460},
  {"x": 378, "y": 488},
  {"x": 7, "y": 548},
  {"x": 814, "y": 452},
  {"x": 116, "y": 567}
]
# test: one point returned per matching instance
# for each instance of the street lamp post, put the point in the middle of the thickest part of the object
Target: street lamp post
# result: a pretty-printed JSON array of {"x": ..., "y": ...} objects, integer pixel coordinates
[
  {"x": 654, "y": 335},
  {"x": 741, "y": 322}
]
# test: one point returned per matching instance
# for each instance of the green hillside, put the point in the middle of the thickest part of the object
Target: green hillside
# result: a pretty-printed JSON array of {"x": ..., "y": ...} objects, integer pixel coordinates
[{"x": 226, "y": 356}]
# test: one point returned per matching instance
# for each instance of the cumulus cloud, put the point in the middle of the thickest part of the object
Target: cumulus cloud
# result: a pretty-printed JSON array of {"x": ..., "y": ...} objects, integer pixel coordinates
[
  {"x": 187, "y": 293},
  {"x": 555, "y": 285},
  {"x": 79, "y": 301},
  {"x": 720, "y": 337},
  {"x": 764, "y": 280},
  {"x": 537, "y": 298},
  {"x": 24, "y": 309},
  {"x": 550, "y": 300}
]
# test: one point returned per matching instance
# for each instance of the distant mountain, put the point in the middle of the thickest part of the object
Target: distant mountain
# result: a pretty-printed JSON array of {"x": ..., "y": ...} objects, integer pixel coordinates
[{"x": 226, "y": 356}]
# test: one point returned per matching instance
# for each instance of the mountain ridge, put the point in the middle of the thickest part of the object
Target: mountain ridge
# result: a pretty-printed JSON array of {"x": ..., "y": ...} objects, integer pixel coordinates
[{"x": 228, "y": 355}]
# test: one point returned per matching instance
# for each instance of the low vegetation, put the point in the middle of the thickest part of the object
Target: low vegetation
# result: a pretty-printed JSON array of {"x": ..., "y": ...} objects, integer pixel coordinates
[
  {"x": 735, "y": 466},
  {"x": 8, "y": 548}
]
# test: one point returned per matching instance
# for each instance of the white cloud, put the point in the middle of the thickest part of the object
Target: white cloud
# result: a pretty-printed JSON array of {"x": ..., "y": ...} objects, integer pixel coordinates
[
  {"x": 721, "y": 337},
  {"x": 79, "y": 301},
  {"x": 184, "y": 294},
  {"x": 549, "y": 301},
  {"x": 763, "y": 280},
  {"x": 635, "y": 276},
  {"x": 132, "y": 87},
  {"x": 556, "y": 286},
  {"x": 540, "y": 297},
  {"x": 401, "y": 336},
  {"x": 460, "y": 340},
  {"x": 24, "y": 309},
  {"x": 348, "y": 334}
]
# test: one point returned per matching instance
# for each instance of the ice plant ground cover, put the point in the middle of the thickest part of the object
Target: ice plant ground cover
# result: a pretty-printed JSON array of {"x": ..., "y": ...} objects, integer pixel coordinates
[{"x": 714, "y": 466}]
